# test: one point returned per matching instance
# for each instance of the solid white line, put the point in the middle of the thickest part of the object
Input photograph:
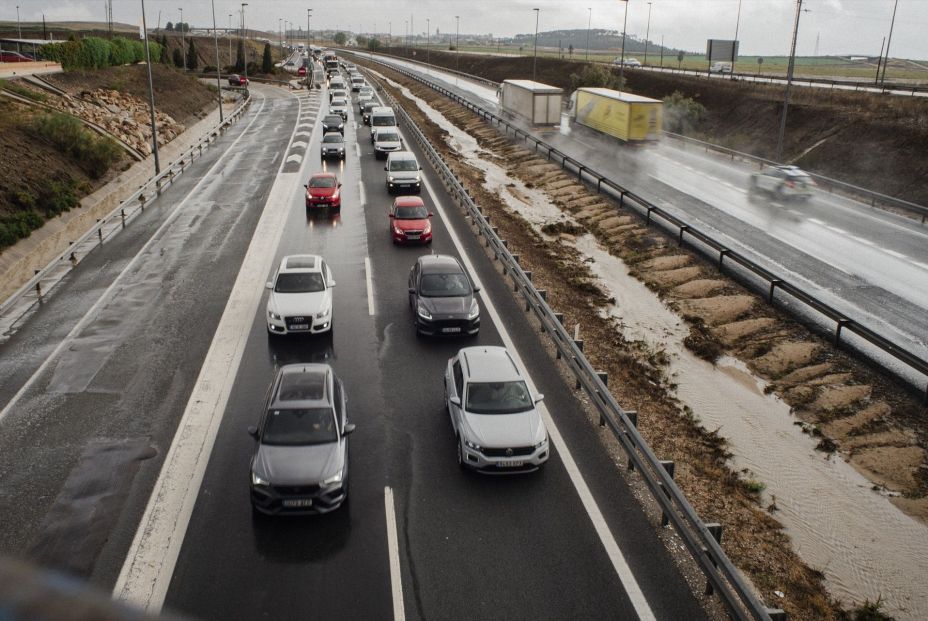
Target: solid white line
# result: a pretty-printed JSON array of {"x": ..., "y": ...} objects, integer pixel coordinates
[
  {"x": 626, "y": 577},
  {"x": 370, "y": 286},
  {"x": 362, "y": 196},
  {"x": 148, "y": 567},
  {"x": 396, "y": 574},
  {"x": 108, "y": 294}
]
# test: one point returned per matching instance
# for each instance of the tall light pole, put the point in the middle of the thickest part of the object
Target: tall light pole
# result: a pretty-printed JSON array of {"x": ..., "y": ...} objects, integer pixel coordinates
[
  {"x": 647, "y": 33},
  {"x": 737, "y": 25},
  {"x": 589, "y": 25},
  {"x": 789, "y": 83},
  {"x": 218, "y": 74},
  {"x": 457, "y": 42},
  {"x": 151, "y": 94},
  {"x": 428, "y": 38},
  {"x": 280, "y": 35},
  {"x": 535, "y": 53},
  {"x": 622, "y": 58},
  {"x": 244, "y": 51},
  {"x": 888, "y": 42},
  {"x": 229, "y": 34},
  {"x": 19, "y": 29},
  {"x": 183, "y": 39},
  {"x": 308, "y": 13}
]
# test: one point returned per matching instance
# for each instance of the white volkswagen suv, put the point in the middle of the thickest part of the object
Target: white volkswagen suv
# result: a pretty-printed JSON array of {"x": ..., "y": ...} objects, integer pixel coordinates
[
  {"x": 497, "y": 426},
  {"x": 301, "y": 296}
]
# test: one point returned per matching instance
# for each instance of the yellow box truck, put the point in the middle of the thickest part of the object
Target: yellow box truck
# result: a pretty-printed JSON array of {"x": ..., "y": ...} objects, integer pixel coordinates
[{"x": 628, "y": 117}]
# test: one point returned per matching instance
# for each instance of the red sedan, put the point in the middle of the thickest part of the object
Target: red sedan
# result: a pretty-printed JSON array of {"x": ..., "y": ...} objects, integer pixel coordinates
[
  {"x": 238, "y": 80},
  {"x": 323, "y": 191},
  {"x": 410, "y": 221}
]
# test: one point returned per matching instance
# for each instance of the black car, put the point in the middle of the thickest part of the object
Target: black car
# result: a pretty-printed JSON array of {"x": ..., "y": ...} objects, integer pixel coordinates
[
  {"x": 442, "y": 297},
  {"x": 301, "y": 462},
  {"x": 333, "y": 123},
  {"x": 366, "y": 111}
]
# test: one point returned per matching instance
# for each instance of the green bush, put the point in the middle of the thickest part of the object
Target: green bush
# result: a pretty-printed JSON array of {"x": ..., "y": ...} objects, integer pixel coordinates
[
  {"x": 22, "y": 91},
  {"x": 56, "y": 198},
  {"x": 96, "y": 53},
  {"x": 96, "y": 154},
  {"x": 682, "y": 114},
  {"x": 597, "y": 76}
]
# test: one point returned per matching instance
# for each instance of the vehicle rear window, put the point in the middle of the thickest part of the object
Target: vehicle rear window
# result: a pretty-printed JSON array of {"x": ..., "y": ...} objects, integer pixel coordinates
[
  {"x": 298, "y": 427},
  {"x": 444, "y": 285},
  {"x": 411, "y": 213},
  {"x": 300, "y": 282},
  {"x": 498, "y": 397}
]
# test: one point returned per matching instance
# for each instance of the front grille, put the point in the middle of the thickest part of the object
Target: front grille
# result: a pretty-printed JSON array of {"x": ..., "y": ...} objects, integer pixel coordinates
[
  {"x": 292, "y": 321},
  {"x": 415, "y": 234},
  {"x": 516, "y": 451},
  {"x": 296, "y": 490}
]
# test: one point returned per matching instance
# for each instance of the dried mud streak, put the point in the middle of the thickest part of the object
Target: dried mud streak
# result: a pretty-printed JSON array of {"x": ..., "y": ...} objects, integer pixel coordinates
[{"x": 753, "y": 540}]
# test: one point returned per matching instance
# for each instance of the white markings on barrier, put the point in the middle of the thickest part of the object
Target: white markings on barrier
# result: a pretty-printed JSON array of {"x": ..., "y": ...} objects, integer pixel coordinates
[
  {"x": 370, "y": 286},
  {"x": 393, "y": 548},
  {"x": 149, "y": 564},
  {"x": 619, "y": 564},
  {"x": 299, "y": 144},
  {"x": 294, "y": 158}
]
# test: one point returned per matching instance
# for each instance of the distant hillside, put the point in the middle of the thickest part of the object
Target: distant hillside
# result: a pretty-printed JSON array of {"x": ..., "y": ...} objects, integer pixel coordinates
[{"x": 600, "y": 39}]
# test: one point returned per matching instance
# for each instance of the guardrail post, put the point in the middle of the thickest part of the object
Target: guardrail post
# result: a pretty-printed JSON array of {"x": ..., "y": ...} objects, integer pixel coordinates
[
  {"x": 776, "y": 614},
  {"x": 99, "y": 231},
  {"x": 683, "y": 228},
  {"x": 632, "y": 416},
  {"x": 715, "y": 529},
  {"x": 38, "y": 288},
  {"x": 604, "y": 378},
  {"x": 669, "y": 466},
  {"x": 839, "y": 327},
  {"x": 773, "y": 285},
  {"x": 142, "y": 202},
  {"x": 722, "y": 253}
]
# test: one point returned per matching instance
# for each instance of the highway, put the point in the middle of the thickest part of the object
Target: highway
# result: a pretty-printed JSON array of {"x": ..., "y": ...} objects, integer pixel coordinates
[
  {"x": 123, "y": 447},
  {"x": 868, "y": 263}
]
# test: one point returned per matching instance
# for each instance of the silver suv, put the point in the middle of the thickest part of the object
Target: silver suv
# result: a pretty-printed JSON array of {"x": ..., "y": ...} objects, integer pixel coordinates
[
  {"x": 301, "y": 462},
  {"x": 784, "y": 182},
  {"x": 403, "y": 172},
  {"x": 497, "y": 426}
]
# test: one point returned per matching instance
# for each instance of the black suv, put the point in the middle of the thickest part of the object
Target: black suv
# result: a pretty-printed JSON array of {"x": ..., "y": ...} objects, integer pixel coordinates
[
  {"x": 333, "y": 123},
  {"x": 442, "y": 297}
]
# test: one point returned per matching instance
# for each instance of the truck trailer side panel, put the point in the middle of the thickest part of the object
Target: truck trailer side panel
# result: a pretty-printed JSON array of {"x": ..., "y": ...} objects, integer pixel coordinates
[
  {"x": 630, "y": 121},
  {"x": 540, "y": 104}
]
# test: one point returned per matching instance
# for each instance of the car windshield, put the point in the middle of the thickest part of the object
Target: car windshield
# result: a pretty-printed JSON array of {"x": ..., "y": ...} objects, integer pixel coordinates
[
  {"x": 444, "y": 285},
  {"x": 322, "y": 182},
  {"x": 411, "y": 213},
  {"x": 383, "y": 137},
  {"x": 296, "y": 427},
  {"x": 330, "y": 138},
  {"x": 300, "y": 282},
  {"x": 404, "y": 165},
  {"x": 332, "y": 120},
  {"x": 383, "y": 121},
  {"x": 498, "y": 398}
]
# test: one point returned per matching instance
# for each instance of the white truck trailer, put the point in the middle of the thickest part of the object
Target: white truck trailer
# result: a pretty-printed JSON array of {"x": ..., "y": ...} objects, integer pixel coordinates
[{"x": 539, "y": 104}]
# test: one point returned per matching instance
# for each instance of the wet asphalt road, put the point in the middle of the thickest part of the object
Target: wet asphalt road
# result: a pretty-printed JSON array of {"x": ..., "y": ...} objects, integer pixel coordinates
[
  {"x": 470, "y": 546},
  {"x": 868, "y": 263}
]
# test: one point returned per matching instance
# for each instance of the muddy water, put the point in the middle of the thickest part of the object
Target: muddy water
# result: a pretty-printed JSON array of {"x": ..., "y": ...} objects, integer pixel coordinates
[{"x": 866, "y": 547}]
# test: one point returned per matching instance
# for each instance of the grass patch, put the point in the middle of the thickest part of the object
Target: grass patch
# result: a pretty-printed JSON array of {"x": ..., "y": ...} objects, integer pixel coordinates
[
  {"x": 95, "y": 154},
  {"x": 753, "y": 487},
  {"x": 22, "y": 91},
  {"x": 871, "y": 611}
]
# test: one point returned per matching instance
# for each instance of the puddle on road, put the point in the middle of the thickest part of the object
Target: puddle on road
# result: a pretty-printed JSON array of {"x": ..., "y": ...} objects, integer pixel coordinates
[{"x": 866, "y": 547}]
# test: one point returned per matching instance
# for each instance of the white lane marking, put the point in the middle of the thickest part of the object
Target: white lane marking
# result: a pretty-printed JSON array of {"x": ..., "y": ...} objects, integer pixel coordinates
[
  {"x": 149, "y": 565},
  {"x": 362, "y": 196},
  {"x": 837, "y": 230},
  {"x": 624, "y": 572},
  {"x": 370, "y": 286},
  {"x": 893, "y": 253},
  {"x": 816, "y": 221},
  {"x": 861, "y": 240},
  {"x": 357, "y": 150},
  {"x": 108, "y": 294},
  {"x": 396, "y": 574}
]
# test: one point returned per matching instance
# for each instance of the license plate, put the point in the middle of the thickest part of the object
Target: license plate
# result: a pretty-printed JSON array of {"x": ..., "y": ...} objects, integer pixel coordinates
[
  {"x": 450, "y": 330},
  {"x": 298, "y": 502},
  {"x": 511, "y": 464},
  {"x": 412, "y": 237},
  {"x": 300, "y": 326}
]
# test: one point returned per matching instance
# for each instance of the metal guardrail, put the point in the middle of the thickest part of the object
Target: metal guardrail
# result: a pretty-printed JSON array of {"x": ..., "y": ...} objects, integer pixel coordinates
[
  {"x": 701, "y": 539},
  {"x": 121, "y": 214},
  {"x": 686, "y": 232}
]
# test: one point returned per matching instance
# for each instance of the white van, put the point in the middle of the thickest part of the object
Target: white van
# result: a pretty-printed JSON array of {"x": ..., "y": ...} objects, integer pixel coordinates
[
  {"x": 403, "y": 173},
  {"x": 382, "y": 116}
]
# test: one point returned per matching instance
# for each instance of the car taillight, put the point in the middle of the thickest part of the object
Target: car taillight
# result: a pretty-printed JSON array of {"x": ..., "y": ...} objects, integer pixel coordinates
[{"x": 791, "y": 184}]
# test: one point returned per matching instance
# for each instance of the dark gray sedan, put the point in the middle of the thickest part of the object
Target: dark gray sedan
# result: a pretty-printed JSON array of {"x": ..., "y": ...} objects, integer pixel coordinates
[
  {"x": 442, "y": 297},
  {"x": 301, "y": 462}
]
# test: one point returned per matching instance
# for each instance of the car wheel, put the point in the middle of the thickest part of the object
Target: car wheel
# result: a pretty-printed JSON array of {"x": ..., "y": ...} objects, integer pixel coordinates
[{"x": 460, "y": 453}]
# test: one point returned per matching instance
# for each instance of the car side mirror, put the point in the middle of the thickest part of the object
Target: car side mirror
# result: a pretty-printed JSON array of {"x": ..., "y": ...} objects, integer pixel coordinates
[
  {"x": 339, "y": 184},
  {"x": 431, "y": 214},
  {"x": 455, "y": 401},
  {"x": 539, "y": 398},
  {"x": 306, "y": 186},
  {"x": 253, "y": 432},
  {"x": 349, "y": 429},
  {"x": 390, "y": 215},
  {"x": 269, "y": 285},
  {"x": 386, "y": 169},
  {"x": 420, "y": 168},
  {"x": 331, "y": 284},
  {"x": 412, "y": 289},
  {"x": 476, "y": 289}
]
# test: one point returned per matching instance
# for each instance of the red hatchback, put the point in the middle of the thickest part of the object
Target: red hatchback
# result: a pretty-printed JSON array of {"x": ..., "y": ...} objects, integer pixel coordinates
[
  {"x": 323, "y": 191},
  {"x": 410, "y": 221}
]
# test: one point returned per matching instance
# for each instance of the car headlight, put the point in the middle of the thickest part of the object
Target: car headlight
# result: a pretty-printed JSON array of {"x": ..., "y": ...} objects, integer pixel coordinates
[
  {"x": 391, "y": 178},
  {"x": 335, "y": 479},
  {"x": 324, "y": 312},
  {"x": 397, "y": 230},
  {"x": 273, "y": 315},
  {"x": 543, "y": 442},
  {"x": 474, "y": 310},
  {"x": 472, "y": 445},
  {"x": 417, "y": 179},
  {"x": 336, "y": 194},
  {"x": 256, "y": 480},
  {"x": 427, "y": 229},
  {"x": 423, "y": 312}
]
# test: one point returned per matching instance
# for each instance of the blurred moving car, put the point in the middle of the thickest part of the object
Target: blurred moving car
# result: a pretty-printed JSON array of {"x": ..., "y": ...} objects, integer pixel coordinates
[
  {"x": 721, "y": 67},
  {"x": 300, "y": 465},
  {"x": 497, "y": 426},
  {"x": 410, "y": 221},
  {"x": 14, "y": 57},
  {"x": 442, "y": 297},
  {"x": 238, "y": 80},
  {"x": 322, "y": 191},
  {"x": 629, "y": 62},
  {"x": 301, "y": 296},
  {"x": 784, "y": 182}
]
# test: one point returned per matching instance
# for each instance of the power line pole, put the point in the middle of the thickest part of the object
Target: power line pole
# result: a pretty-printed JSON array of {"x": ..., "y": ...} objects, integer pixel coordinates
[
  {"x": 789, "y": 83},
  {"x": 244, "y": 50},
  {"x": 737, "y": 26},
  {"x": 647, "y": 33},
  {"x": 879, "y": 61},
  {"x": 183, "y": 39},
  {"x": 622, "y": 65},
  {"x": 151, "y": 94},
  {"x": 889, "y": 42},
  {"x": 218, "y": 74},
  {"x": 535, "y": 56}
]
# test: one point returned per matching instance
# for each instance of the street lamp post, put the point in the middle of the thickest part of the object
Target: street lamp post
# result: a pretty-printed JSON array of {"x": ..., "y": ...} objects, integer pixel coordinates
[
  {"x": 218, "y": 74},
  {"x": 151, "y": 94},
  {"x": 889, "y": 42},
  {"x": 19, "y": 29},
  {"x": 428, "y": 38},
  {"x": 280, "y": 35},
  {"x": 737, "y": 26},
  {"x": 535, "y": 53},
  {"x": 589, "y": 25},
  {"x": 622, "y": 58},
  {"x": 183, "y": 39},
  {"x": 647, "y": 33},
  {"x": 244, "y": 51},
  {"x": 308, "y": 13},
  {"x": 457, "y": 43},
  {"x": 789, "y": 83},
  {"x": 229, "y": 34}
]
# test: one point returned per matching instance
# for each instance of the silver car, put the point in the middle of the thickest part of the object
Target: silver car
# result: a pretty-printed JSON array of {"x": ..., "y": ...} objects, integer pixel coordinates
[
  {"x": 301, "y": 462},
  {"x": 497, "y": 426},
  {"x": 386, "y": 141},
  {"x": 784, "y": 182},
  {"x": 340, "y": 107},
  {"x": 333, "y": 145}
]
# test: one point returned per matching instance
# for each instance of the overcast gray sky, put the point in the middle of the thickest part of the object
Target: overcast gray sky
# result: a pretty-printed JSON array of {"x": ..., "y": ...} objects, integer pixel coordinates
[{"x": 841, "y": 26}]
